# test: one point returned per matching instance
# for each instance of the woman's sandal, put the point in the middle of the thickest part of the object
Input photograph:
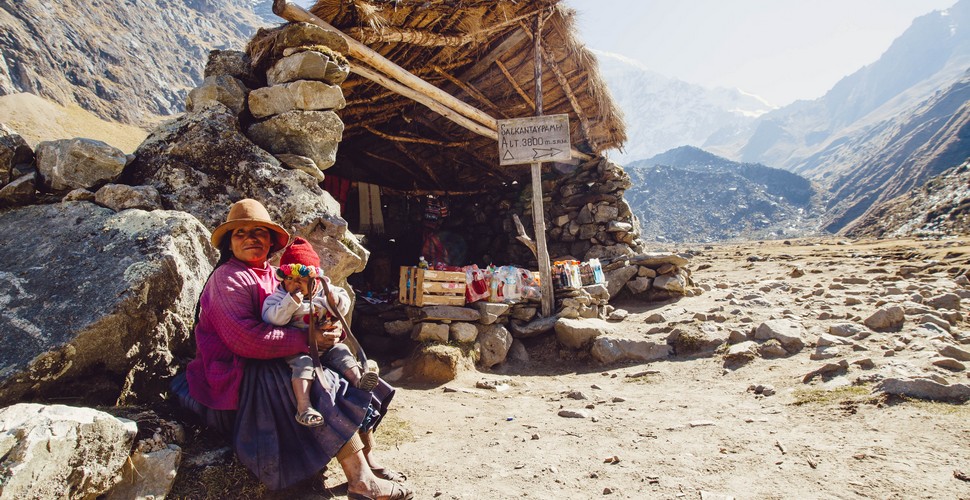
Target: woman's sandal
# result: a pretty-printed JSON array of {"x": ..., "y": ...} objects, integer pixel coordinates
[
  {"x": 310, "y": 418},
  {"x": 368, "y": 381},
  {"x": 389, "y": 474},
  {"x": 398, "y": 492}
]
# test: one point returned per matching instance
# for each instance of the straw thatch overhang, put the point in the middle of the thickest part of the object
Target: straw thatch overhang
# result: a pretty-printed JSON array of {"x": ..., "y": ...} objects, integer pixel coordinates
[{"x": 482, "y": 53}]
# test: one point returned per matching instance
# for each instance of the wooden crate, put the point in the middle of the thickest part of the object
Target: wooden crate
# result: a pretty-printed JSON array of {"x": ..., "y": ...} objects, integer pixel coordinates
[{"x": 426, "y": 287}]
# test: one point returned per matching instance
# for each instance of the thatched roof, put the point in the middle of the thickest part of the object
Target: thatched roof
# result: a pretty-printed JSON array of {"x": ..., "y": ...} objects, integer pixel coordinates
[{"x": 481, "y": 52}]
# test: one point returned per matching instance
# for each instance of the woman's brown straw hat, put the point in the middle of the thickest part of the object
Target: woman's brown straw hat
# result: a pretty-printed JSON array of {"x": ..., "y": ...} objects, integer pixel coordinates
[{"x": 250, "y": 211}]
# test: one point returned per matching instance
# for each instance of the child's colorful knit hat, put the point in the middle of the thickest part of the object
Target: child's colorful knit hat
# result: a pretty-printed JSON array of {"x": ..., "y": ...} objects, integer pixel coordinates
[{"x": 299, "y": 260}]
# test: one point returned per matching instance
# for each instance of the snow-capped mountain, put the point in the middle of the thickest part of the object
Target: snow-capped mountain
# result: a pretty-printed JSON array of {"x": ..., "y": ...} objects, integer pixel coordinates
[{"x": 663, "y": 113}]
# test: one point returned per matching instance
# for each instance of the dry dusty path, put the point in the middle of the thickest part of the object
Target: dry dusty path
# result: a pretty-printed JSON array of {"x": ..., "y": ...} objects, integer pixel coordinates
[{"x": 689, "y": 428}]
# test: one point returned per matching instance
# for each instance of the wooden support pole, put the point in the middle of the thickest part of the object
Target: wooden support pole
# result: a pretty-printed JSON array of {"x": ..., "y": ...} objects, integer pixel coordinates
[
  {"x": 523, "y": 237},
  {"x": 538, "y": 212},
  {"x": 432, "y": 104}
]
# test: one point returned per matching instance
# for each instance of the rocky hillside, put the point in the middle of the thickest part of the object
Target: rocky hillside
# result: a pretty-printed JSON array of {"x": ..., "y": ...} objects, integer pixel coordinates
[
  {"x": 690, "y": 195},
  {"x": 889, "y": 158},
  {"x": 941, "y": 207},
  {"x": 130, "y": 64},
  {"x": 881, "y": 131},
  {"x": 931, "y": 55}
]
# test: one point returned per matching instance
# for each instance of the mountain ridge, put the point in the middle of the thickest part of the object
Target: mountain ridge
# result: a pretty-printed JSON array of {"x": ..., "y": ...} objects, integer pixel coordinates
[
  {"x": 691, "y": 195},
  {"x": 130, "y": 64}
]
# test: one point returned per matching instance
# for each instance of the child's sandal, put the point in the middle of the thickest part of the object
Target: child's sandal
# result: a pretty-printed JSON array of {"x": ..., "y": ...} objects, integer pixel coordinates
[
  {"x": 368, "y": 381},
  {"x": 310, "y": 418}
]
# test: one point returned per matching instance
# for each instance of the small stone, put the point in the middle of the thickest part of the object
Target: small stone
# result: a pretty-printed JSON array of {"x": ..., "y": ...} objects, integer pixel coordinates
[
  {"x": 573, "y": 413},
  {"x": 576, "y": 395},
  {"x": 701, "y": 423}
]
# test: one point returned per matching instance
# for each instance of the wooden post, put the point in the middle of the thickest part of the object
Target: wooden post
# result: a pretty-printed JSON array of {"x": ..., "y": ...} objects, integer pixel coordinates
[{"x": 538, "y": 213}]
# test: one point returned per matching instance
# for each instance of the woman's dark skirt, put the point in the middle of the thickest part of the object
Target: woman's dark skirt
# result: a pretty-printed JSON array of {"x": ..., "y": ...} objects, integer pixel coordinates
[{"x": 264, "y": 433}]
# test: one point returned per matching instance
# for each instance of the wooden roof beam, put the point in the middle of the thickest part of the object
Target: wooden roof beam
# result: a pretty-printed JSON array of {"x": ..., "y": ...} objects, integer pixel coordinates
[
  {"x": 518, "y": 89},
  {"x": 432, "y": 104},
  {"x": 567, "y": 89},
  {"x": 517, "y": 37},
  {"x": 424, "y": 166},
  {"x": 416, "y": 140},
  {"x": 427, "y": 38},
  {"x": 392, "y": 162},
  {"x": 469, "y": 89}
]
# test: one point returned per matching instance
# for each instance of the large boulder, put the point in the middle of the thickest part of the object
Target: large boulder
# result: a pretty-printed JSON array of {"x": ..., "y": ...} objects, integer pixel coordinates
[
  {"x": 495, "y": 341},
  {"x": 580, "y": 333},
  {"x": 201, "y": 162},
  {"x": 306, "y": 95},
  {"x": 609, "y": 350},
  {"x": 14, "y": 151},
  {"x": 299, "y": 64},
  {"x": 20, "y": 191},
  {"x": 96, "y": 304},
  {"x": 314, "y": 134},
  {"x": 438, "y": 363},
  {"x": 223, "y": 89},
  {"x": 67, "y": 164},
  {"x": 790, "y": 334},
  {"x": 60, "y": 451},
  {"x": 617, "y": 278},
  {"x": 269, "y": 45}
]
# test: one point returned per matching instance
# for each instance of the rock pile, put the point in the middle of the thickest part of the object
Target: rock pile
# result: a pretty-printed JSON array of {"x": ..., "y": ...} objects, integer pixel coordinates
[{"x": 589, "y": 217}]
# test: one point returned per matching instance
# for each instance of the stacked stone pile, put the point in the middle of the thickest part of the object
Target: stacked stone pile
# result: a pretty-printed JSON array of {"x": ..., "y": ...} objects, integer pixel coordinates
[
  {"x": 456, "y": 338},
  {"x": 293, "y": 116},
  {"x": 651, "y": 276}
]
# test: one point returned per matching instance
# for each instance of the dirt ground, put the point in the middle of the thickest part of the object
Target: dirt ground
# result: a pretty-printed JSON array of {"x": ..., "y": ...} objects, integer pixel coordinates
[
  {"x": 689, "y": 428},
  {"x": 686, "y": 427}
]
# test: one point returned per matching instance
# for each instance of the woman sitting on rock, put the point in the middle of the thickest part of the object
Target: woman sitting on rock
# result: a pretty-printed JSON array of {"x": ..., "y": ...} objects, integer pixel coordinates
[{"x": 240, "y": 384}]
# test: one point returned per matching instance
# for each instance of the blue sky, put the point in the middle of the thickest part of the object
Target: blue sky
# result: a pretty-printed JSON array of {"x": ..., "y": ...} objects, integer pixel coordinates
[{"x": 780, "y": 50}]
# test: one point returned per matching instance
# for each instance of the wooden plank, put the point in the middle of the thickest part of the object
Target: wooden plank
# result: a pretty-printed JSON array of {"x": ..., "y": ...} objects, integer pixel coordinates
[
  {"x": 403, "y": 286},
  {"x": 418, "y": 286},
  {"x": 443, "y": 300},
  {"x": 443, "y": 275},
  {"x": 445, "y": 288}
]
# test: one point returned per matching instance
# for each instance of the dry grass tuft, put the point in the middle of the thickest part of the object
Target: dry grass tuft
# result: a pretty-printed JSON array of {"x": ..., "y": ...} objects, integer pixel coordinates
[
  {"x": 939, "y": 408},
  {"x": 393, "y": 432},
  {"x": 823, "y": 397},
  {"x": 229, "y": 480}
]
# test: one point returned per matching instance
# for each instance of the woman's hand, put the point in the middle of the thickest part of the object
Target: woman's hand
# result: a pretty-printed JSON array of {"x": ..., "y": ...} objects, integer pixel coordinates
[{"x": 328, "y": 338}]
